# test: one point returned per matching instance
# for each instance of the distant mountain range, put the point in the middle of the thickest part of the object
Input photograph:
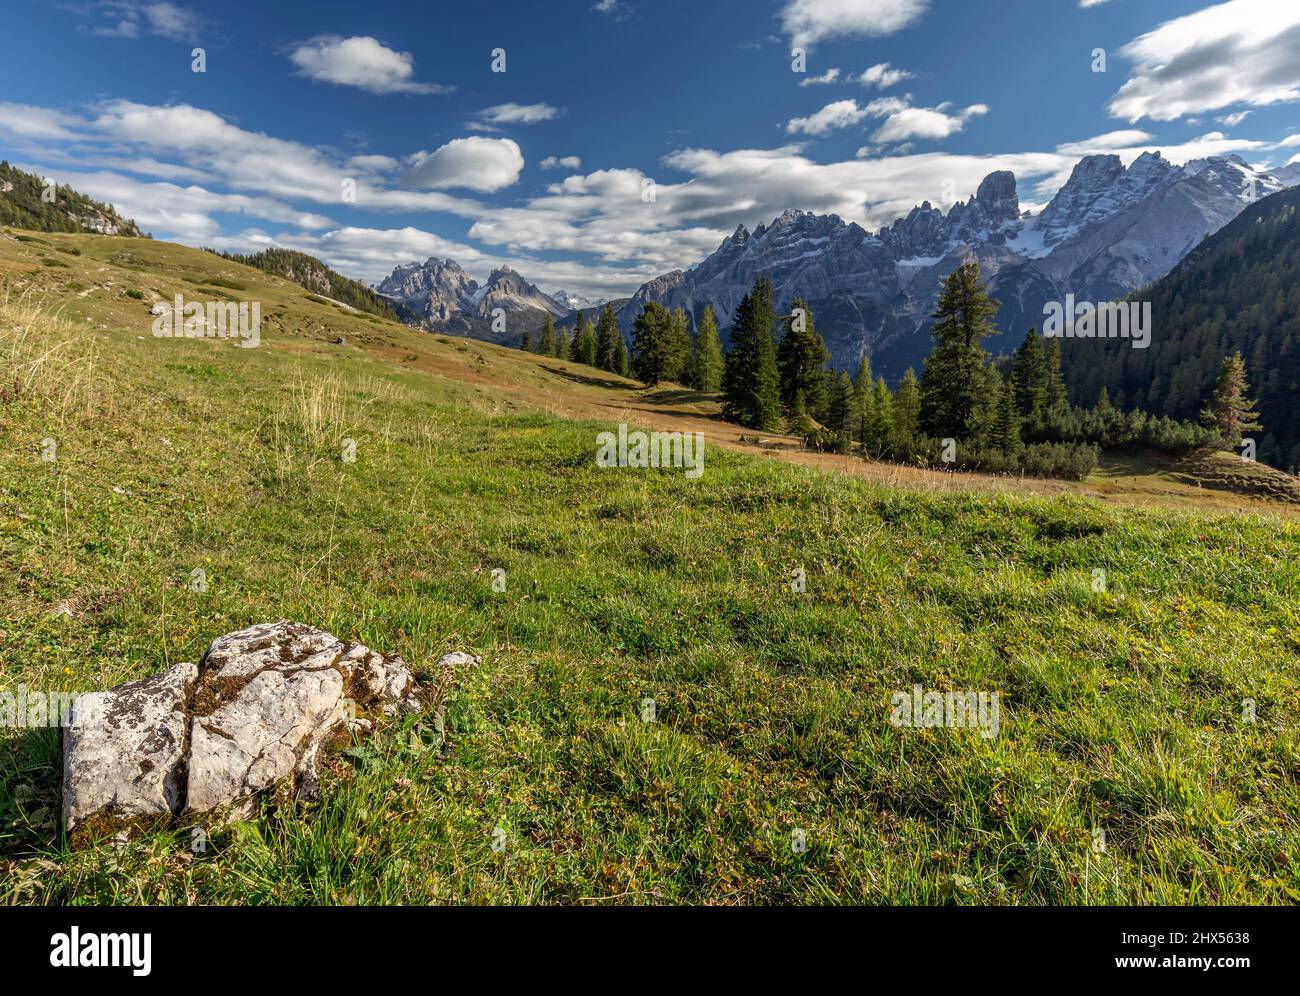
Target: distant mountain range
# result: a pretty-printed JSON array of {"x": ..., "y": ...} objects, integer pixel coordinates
[
  {"x": 1109, "y": 230},
  {"x": 438, "y": 289},
  {"x": 23, "y": 204},
  {"x": 442, "y": 296}
]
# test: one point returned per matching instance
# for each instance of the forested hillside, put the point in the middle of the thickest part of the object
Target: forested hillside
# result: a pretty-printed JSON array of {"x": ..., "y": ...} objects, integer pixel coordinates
[
  {"x": 22, "y": 206},
  {"x": 1238, "y": 291},
  {"x": 311, "y": 273}
]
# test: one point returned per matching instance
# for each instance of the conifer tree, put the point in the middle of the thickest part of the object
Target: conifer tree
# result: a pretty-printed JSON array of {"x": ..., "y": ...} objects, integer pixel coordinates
[
  {"x": 988, "y": 401},
  {"x": 561, "y": 344},
  {"x": 547, "y": 345},
  {"x": 1029, "y": 375},
  {"x": 526, "y": 341},
  {"x": 751, "y": 385},
  {"x": 801, "y": 360},
  {"x": 907, "y": 410},
  {"x": 880, "y": 421},
  {"x": 608, "y": 337},
  {"x": 1006, "y": 426},
  {"x": 841, "y": 410},
  {"x": 679, "y": 346},
  {"x": 953, "y": 381},
  {"x": 620, "y": 355},
  {"x": 586, "y": 340},
  {"x": 1230, "y": 411},
  {"x": 1058, "y": 401},
  {"x": 862, "y": 392},
  {"x": 707, "y": 354},
  {"x": 653, "y": 344}
]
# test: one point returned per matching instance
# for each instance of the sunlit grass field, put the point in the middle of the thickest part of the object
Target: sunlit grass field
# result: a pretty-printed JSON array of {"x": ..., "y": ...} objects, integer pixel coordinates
[{"x": 1126, "y": 770}]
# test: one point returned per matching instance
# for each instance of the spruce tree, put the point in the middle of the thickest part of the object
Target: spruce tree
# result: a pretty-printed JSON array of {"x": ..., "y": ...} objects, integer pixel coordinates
[
  {"x": 679, "y": 346},
  {"x": 653, "y": 344},
  {"x": 561, "y": 344},
  {"x": 1006, "y": 427},
  {"x": 620, "y": 355},
  {"x": 801, "y": 360},
  {"x": 1058, "y": 401},
  {"x": 526, "y": 341},
  {"x": 607, "y": 339},
  {"x": 880, "y": 420},
  {"x": 862, "y": 392},
  {"x": 751, "y": 385},
  {"x": 988, "y": 401},
  {"x": 1230, "y": 411},
  {"x": 841, "y": 410},
  {"x": 953, "y": 381},
  {"x": 1029, "y": 375}
]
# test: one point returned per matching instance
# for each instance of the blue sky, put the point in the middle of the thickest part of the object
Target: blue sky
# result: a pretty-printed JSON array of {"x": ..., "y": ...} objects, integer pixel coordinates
[{"x": 546, "y": 165}]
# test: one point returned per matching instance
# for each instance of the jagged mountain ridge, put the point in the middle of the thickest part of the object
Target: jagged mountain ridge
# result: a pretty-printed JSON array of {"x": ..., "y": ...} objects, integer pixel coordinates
[
  {"x": 440, "y": 291},
  {"x": 1109, "y": 230}
]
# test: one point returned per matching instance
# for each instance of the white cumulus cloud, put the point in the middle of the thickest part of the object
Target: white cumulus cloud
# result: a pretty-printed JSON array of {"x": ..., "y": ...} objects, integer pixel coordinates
[
  {"x": 517, "y": 114},
  {"x": 882, "y": 76},
  {"x": 808, "y": 22},
  {"x": 474, "y": 163},
  {"x": 360, "y": 61},
  {"x": 561, "y": 162}
]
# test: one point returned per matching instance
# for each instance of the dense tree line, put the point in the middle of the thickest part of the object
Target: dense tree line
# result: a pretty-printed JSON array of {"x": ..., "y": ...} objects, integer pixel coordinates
[
  {"x": 663, "y": 348},
  {"x": 965, "y": 411}
]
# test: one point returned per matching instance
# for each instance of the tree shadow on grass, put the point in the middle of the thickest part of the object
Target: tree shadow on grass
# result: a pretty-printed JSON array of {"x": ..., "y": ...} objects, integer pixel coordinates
[
  {"x": 589, "y": 380},
  {"x": 679, "y": 396}
]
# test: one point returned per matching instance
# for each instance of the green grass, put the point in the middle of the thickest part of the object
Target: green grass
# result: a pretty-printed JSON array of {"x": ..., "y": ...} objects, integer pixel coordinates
[{"x": 1121, "y": 710}]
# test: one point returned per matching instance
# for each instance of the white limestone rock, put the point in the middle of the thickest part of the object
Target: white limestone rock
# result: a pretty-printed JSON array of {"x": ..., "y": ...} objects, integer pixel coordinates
[{"x": 257, "y": 710}]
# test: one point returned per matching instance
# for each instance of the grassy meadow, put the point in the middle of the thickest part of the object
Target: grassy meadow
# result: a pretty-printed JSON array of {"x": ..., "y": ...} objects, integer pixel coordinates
[{"x": 1125, "y": 769}]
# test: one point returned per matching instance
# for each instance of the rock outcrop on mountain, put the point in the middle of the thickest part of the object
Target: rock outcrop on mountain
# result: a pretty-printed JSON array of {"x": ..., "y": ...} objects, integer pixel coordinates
[
  {"x": 1109, "y": 230},
  {"x": 27, "y": 202}
]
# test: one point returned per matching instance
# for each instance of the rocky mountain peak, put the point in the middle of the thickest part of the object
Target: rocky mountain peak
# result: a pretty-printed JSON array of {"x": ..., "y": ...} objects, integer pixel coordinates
[
  {"x": 998, "y": 197},
  {"x": 439, "y": 289}
]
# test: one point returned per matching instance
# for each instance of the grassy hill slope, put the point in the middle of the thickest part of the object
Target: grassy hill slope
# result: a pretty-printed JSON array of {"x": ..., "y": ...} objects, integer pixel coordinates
[{"x": 1121, "y": 709}]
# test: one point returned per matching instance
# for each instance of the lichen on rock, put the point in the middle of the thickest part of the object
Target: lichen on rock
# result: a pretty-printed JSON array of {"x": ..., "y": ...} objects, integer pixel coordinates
[{"x": 256, "y": 711}]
